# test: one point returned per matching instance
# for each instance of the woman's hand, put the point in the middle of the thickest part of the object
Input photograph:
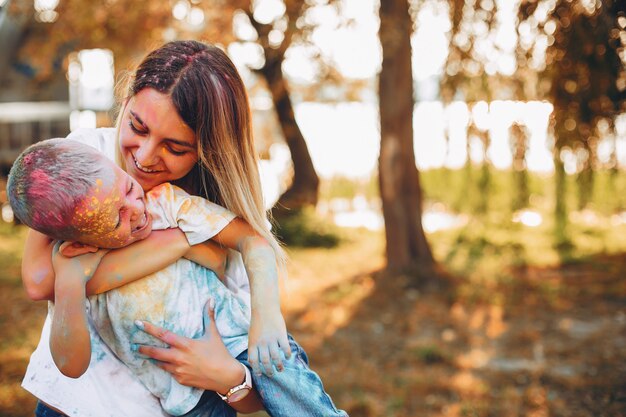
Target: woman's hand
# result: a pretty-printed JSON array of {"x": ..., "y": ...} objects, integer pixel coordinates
[{"x": 203, "y": 363}]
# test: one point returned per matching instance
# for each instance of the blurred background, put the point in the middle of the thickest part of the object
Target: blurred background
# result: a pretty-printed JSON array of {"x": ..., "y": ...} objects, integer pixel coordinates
[{"x": 447, "y": 175}]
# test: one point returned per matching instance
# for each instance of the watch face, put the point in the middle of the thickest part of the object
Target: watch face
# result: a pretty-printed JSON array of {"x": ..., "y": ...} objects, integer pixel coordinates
[{"x": 238, "y": 395}]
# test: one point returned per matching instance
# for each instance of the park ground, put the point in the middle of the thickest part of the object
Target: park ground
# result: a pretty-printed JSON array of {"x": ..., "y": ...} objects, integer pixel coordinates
[{"x": 514, "y": 329}]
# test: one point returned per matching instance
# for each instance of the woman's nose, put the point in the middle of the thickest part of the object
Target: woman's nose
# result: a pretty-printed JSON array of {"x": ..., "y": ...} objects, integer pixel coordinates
[{"x": 147, "y": 154}]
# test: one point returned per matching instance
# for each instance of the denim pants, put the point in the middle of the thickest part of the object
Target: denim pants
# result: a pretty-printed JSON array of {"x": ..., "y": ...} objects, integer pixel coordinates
[
  {"x": 297, "y": 391},
  {"x": 43, "y": 410}
]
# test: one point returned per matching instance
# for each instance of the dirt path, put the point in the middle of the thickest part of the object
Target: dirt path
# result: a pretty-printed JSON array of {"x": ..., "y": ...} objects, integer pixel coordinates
[{"x": 554, "y": 345}]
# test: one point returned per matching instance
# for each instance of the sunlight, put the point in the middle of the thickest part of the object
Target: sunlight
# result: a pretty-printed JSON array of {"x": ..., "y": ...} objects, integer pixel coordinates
[
  {"x": 529, "y": 218},
  {"x": 91, "y": 79},
  {"x": 7, "y": 213}
]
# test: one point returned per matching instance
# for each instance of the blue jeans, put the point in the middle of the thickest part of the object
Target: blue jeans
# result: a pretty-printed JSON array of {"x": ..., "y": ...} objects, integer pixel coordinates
[
  {"x": 43, "y": 410},
  {"x": 210, "y": 405},
  {"x": 296, "y": 391}
]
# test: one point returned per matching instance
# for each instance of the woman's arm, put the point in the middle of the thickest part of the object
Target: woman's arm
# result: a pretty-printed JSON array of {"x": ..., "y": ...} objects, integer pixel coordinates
[
  {"x": 268, "y": 333},
  {"x": 118, "y": 267},
  {"x": 210, "y": 256},
  {"x": 202, "y": 363},
  {"x": 37, "y": 272}
]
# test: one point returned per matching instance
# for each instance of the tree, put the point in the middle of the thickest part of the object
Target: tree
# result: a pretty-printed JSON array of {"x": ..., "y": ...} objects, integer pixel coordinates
[
  {"x": 304, "y": 188},
  {"x": 472, "y": 74},
  {"x": 130, "y": 31},
  {"x": 582, "y": 75},
  {"x": 399, "y": 181}
]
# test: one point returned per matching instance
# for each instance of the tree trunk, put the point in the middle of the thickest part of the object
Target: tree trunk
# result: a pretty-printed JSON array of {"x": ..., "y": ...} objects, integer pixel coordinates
[
  {"x": 484, "y": 180},
  {"x": 560, "y": 207},
  {"x": 585, "y": 178},
  {"x": 519, "y": 139},
  {"x": 400, "y": 189},
  {"x": 303, "y": 191}
]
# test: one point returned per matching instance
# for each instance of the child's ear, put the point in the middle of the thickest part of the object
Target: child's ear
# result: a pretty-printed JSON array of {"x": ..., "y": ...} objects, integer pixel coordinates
[{"x": 72, "y": 249}]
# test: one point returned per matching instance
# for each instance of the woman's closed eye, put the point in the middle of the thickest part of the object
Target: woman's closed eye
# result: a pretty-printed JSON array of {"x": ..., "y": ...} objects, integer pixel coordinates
[
  {"x": 136, "y": 129},
  {"x": 176, "y": 152}
]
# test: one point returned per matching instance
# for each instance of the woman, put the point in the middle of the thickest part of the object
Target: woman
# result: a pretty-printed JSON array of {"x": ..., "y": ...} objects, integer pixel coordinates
[{"x": 186, "y": 120}]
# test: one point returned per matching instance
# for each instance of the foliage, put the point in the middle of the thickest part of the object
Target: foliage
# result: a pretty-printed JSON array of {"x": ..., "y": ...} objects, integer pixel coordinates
[
  {"x": 119, "y": 25},
  {"x": 303, "y": 228},
  {"x": 471, "y": 72}
]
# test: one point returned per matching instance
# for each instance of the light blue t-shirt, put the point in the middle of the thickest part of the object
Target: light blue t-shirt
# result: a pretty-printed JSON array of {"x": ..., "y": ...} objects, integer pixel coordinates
[{"x": 174, "y": 298}]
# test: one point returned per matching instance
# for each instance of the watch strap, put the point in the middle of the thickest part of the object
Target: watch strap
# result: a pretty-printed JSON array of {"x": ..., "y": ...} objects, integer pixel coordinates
[{"x": 246, "y": 384}]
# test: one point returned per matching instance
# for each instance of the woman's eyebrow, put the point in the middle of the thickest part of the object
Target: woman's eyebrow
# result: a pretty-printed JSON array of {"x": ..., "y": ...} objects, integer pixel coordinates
[
  {"x": 137, "y": 118},
  {"x": 182, "y": 143}
]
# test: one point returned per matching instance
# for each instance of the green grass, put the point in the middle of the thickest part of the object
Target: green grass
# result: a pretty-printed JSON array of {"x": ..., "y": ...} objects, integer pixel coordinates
[{"x": 458, "y": 189}]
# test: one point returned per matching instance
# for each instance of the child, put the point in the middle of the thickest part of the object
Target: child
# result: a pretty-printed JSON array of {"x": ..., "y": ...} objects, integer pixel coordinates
[{"x": 99, "y": 205}]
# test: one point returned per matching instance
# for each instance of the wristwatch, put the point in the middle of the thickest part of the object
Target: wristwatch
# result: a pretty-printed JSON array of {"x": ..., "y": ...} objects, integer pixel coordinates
[{"x": 239, "y": 392}]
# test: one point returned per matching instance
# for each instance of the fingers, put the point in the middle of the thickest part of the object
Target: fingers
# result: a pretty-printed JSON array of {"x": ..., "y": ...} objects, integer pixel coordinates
[
  {"x": 276, "y": 358},
  {"x": 160, "y": 333},
  {"x": 164, "y": 355},
  {"x": 285, "y": 346},
  {"x": 253, "y": 358},
  {"x": 266, "y": 362},
  {"x": 208, "y": 320}
]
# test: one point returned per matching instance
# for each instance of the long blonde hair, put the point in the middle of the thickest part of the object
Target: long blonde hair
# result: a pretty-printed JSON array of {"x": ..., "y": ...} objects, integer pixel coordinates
[{"x": 210, "y": 97}]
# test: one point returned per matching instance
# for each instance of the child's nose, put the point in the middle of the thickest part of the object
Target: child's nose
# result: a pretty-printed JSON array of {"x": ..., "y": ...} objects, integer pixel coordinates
[{"x": 137, "y": 209}]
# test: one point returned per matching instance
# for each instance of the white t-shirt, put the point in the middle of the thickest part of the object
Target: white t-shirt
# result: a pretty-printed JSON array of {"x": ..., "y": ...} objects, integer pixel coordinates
[{"x": 108, "y": 388}]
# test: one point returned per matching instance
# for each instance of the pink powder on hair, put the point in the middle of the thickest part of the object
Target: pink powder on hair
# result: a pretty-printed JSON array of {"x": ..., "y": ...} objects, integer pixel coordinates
[
  {"x": 28, "y": 158},
  {"x": 42, "y": 182}
]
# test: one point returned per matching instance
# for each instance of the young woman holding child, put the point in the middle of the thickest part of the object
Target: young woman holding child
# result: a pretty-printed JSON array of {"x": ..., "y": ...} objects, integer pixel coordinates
[{"x": 186, "y": 120}]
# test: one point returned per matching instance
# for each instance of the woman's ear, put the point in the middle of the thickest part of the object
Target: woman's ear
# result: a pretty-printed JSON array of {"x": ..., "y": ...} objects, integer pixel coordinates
[{"x": 72, "y": 249}]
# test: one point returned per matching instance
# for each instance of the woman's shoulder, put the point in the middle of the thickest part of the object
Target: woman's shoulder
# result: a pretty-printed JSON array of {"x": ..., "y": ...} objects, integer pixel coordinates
[
  {"x": 102, "y": 139},
  {"x": 98, "y": 138}
]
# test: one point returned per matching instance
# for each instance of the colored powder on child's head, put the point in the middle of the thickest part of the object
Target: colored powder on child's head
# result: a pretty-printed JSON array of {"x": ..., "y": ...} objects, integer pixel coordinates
[{"x": 42, "y": 185}]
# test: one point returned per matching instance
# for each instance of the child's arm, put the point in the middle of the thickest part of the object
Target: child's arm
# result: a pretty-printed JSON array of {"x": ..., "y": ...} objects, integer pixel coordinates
[
  {"x": 268, "y": 333},
  {"x": 118, "y": 267},
  {"x": 70, "y": 343}
]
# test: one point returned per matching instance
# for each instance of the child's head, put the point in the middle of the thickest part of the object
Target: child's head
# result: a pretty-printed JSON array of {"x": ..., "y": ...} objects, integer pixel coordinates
[{"x": 69, "y": 191}]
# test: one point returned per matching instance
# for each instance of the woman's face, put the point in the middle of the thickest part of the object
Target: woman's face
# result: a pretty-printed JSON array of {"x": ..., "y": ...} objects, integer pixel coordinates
[{"x": 156, "y": 144}]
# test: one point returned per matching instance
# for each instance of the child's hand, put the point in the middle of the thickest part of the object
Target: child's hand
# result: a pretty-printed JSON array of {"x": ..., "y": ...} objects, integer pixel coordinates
[
  {"x": 267, "y": 337},
  {"x": 69, "y": 264}
]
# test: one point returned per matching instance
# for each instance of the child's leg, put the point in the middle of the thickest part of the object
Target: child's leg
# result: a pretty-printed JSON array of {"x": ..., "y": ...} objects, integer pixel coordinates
[
  {"x": 296, "y": 391},
  {"x": 210, "y": 405}
]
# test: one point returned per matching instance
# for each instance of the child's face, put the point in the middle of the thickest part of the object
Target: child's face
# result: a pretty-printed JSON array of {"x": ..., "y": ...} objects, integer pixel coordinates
[{"x": 113, "y": 214}]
